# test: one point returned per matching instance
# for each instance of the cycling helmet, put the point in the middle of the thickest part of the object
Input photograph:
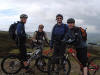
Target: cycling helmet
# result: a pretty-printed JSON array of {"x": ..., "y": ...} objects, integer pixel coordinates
[
  {"x": 71, "y": 20},
  {"x": 23, "y": 16}
]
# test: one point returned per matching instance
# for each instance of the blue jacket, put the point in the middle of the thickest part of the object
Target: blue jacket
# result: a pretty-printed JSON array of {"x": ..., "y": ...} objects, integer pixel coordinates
[
  {"x": 21, "y": 30},
  {"x": 58, "y": 33}
]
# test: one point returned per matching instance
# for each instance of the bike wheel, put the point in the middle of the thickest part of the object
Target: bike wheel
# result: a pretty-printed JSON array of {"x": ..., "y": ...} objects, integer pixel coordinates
[
  {"x": 42, "y": 64},
  {"x": 11, "y": 64},
  {"x": 66, "y": 68},
  {"x": 59, "y": 69},
  {"x": 94, "y": 66}
]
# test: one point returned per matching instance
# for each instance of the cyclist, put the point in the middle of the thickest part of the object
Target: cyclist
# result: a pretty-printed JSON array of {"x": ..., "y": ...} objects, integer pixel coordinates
[
  {"x": 58, "y": 34},
  {"x": 21, "y": 36},
  {"x": 80, "y": 43},
  {"x": 40, "y": 36}
]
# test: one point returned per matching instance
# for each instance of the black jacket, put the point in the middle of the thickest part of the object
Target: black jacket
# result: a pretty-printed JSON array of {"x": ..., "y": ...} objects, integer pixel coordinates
[{"x": 79, "y": 42}]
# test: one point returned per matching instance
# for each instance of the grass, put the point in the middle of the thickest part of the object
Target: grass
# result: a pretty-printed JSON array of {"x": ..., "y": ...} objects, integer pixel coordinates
[{"x": 8, "y": 46}]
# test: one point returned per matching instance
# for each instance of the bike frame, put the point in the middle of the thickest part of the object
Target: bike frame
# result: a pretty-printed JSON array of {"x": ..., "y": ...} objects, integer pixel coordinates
[
  {"x": 34, "y": 55},
  {"x": 73, "y": 54}
]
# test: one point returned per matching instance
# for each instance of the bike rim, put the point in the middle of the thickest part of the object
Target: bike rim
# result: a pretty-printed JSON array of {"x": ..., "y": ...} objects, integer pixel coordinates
[{"x": 12, "y": 65}]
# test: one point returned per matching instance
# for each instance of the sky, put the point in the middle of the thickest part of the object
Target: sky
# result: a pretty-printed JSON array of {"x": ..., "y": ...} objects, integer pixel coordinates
[{"x": 85, "y": 12}]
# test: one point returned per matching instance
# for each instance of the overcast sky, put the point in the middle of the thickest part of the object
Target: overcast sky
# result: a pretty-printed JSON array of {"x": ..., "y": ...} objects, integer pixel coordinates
[{"x": 86, "y": 13}]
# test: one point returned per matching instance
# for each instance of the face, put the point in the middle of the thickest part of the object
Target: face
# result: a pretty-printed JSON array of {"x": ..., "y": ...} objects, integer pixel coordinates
[
  {"x": 71, "y": 25},
  {"x": 23, "y": 20},
  {"x": 59, "y": 19},
  {"x": 40, "y": 29}
]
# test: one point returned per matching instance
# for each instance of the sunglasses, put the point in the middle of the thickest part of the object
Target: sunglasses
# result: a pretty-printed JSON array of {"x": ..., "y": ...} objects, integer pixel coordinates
[
  {"x": 59, "y": 18},
  {"x": 69, "y": 22}
]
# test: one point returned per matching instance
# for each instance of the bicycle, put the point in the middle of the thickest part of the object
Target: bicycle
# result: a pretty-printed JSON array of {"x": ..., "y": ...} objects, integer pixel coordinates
[
  {"x": 93, "y": 62},
  {"x": 59, "y": 65},
  {"x": 12, "y": 64},
  {"x": 64, "y": 67}
]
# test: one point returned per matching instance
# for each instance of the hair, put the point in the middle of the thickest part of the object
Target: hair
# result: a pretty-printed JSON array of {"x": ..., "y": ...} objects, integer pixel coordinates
[
  {"x": 41, "y": 25},
  {"x": 59, "y": 15}
]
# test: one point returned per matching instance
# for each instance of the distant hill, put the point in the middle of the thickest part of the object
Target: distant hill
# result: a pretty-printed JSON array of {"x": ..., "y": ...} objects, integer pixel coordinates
[
  {"x": 92, "y": 37},
  {"x": 7, "y": 45}
]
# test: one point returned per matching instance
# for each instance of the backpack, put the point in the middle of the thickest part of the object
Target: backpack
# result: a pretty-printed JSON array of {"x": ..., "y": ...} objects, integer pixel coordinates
[
  {"x": 12, "y": 31},
  {"x": 84, "y": 34}
]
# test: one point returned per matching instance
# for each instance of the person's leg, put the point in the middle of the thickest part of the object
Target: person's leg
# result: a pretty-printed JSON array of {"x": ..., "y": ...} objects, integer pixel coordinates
[
  {"x": 62, "y": 48},
  {"x": 23, "y": 52},
  {"x": 56, "y": 52},
  {"x": 82, "y": 57},
  {"x": 85, "y": 60}
]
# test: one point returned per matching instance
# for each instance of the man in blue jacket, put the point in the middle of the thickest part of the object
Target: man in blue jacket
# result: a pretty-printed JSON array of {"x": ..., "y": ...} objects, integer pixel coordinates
[
  {"x": 21, "y": 36},
  {"x": 58, "y": 34}
]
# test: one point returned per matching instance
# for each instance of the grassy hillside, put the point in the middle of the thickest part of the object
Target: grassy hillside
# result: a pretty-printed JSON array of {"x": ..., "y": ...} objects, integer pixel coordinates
[{"x": 6, "y": 45}]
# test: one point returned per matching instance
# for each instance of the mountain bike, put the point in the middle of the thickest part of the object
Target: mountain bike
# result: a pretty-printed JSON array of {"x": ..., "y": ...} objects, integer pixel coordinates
[
  {"x": 93, "y": 62},
  {"x": 12, "y": 64},
  {"x": 63, "y": 67},
  {"x": 59, "y": 65}
]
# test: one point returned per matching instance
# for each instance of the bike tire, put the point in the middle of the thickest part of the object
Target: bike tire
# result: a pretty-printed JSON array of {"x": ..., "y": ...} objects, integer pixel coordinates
[
  {"x": 4, "y": 61},
  {"x": 44, "y": 62},
  {"x": 57, "y": 73},
  {"x": 94, "y": 66}
]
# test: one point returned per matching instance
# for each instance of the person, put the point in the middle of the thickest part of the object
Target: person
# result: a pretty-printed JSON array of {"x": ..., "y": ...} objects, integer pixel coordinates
[
  {"x": 21, "y": 37},
  {"x": 80, "y": 43},
  {"x": 59, "y": 31},
  {"x": 40, "y": 36}
]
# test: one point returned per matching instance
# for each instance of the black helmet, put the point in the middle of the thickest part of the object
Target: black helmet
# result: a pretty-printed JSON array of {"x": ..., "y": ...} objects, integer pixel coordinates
[
  {"x": 23, "y": 16},
  {"x": 59, "y": 15},
  {"x": 71, "y": 20}
]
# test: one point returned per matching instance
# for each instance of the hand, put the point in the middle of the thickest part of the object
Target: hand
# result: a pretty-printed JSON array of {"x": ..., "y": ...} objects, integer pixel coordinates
[
  {"x": 51, "y": 49},
  {"x": 40, "y": 41}
]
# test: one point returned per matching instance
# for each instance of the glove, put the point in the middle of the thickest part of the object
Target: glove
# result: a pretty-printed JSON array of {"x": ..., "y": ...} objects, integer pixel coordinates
[{"x": 70, "y": 41}]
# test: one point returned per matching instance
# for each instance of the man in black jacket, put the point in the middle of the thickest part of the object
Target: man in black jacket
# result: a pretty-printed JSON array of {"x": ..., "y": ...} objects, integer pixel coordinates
[{"x": 80, "y": 44}]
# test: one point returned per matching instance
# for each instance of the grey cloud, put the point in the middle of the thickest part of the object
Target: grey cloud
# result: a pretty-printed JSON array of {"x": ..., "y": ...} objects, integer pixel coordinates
[{"x": 86, "y": 10}]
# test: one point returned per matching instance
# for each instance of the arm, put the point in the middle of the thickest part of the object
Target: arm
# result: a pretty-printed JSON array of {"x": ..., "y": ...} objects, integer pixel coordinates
[
  {"x": 34, "y": 36},
  {"x": 19, "y": 29},
  {"x": 52, "y": 38},
  {"x": 78, "y": 36},
  {"x": 68, "y": 34},
  {"x": 46, "y": 38}
]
